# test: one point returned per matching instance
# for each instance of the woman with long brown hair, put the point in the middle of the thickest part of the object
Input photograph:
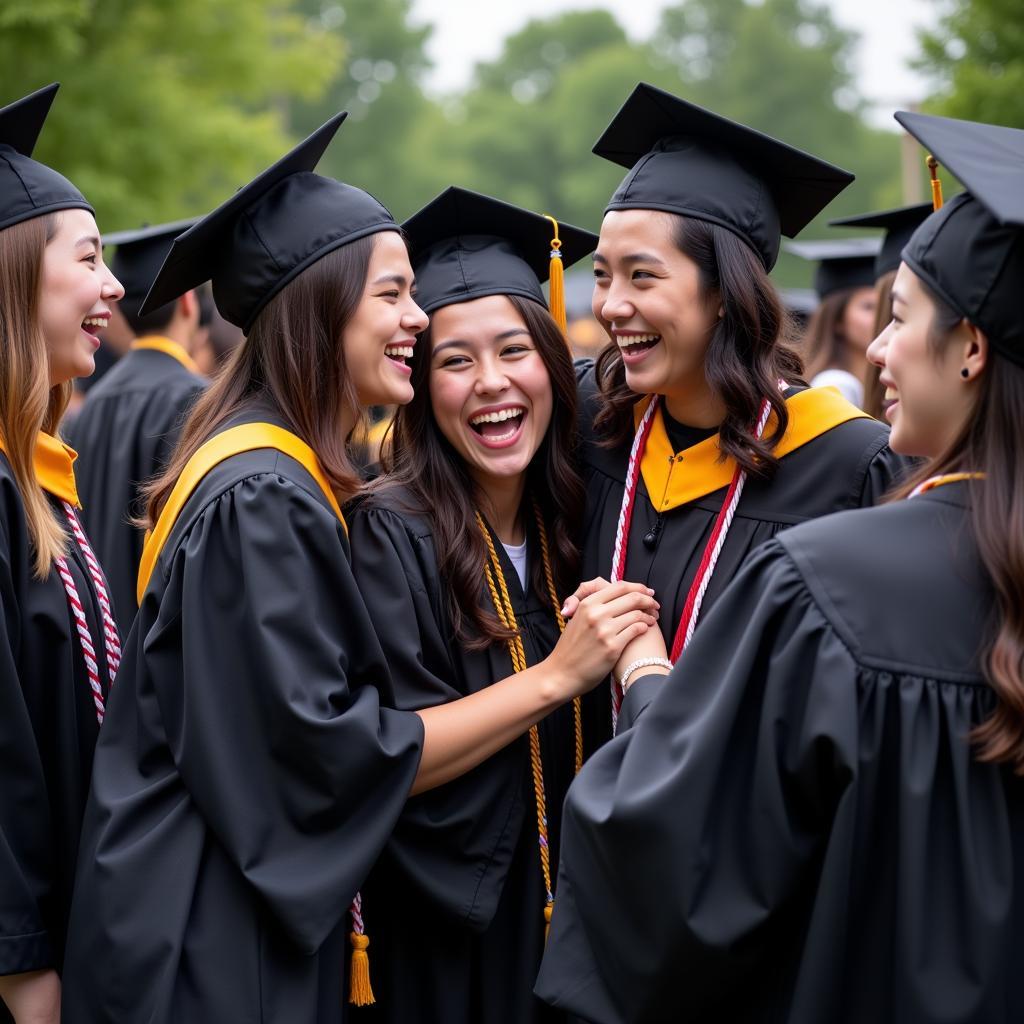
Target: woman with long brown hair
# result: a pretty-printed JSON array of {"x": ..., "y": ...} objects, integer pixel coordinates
[
  {"x": 820, "y": 816},
  {"x": 701, "y": 440},
  {"x": 59, "y": 647},
  {"x": 247, "y": 776},
  {"x": 465, "y": 549}
]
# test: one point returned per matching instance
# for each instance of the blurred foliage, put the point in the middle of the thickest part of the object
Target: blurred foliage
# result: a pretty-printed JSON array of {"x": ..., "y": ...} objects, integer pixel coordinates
[
  {"x": 166, "y": 108},
  {"x": 976, "y": 53}
]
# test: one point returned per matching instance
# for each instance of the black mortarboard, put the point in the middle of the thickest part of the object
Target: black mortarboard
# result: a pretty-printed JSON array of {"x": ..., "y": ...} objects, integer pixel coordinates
[
  {"x": 268, "y": 232},
  {"x": 465, "y": 245},
  {"x": 971, "y": 252},
  {"x": 140, "y": 254},
  {"x": 687, "y": 160},
  {"x": 28, "y": 188},
  {"x": 899, "y": 225},
  {"x": 842, "y": 263}
]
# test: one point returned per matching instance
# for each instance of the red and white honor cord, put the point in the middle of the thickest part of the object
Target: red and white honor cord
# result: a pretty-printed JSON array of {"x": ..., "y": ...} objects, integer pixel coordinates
[
  {"x": 111, "y": 640},
  {"x": 713, "y": 548}
]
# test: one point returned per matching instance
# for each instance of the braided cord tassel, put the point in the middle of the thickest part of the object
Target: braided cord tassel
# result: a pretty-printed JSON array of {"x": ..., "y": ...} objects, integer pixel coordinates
[{"x": 360, "y": 992}]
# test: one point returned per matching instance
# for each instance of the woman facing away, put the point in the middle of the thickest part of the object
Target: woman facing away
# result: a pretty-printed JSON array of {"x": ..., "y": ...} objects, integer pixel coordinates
[
  {"x": 820, "y": 813},
  {"x": 700, "y": 439},
  {"x": 465, "y": 550},
  {"x": 59, "y": 648},
  {"x": 247, "y": 776}
]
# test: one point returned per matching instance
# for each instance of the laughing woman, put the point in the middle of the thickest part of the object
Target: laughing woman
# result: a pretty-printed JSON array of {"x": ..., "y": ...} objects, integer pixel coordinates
[
  {"x": 700, "y": 439},
  {"x": 58, "y": 644},
  {"x": 820, "y": 816},
  {"x": 247, "y": 776},
  {"x": 460, "y": 553}
]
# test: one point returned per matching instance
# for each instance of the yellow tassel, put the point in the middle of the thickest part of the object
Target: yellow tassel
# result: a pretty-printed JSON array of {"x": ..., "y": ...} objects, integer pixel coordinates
[
  {"x": 547, "y": 919},
  {"x": 556, "y": 280},
  {"x": 933, "y": 171},
  {"x": 359, "y": 991}
]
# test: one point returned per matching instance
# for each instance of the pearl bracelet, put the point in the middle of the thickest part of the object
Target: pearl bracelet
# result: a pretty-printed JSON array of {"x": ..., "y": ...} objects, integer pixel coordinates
[{"x": 642, "y": 663}]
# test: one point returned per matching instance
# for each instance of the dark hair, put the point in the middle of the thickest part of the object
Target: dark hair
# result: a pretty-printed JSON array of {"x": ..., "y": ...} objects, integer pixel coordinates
[
  {"x": 292, "y": 357},
  {"x": 749, "y": 351},
  {"x": 874, "y": 393},
  {"x": 989, "y": 444},
  {"x": 151, "y": 323},
  {"x": 422, "y": 461}
]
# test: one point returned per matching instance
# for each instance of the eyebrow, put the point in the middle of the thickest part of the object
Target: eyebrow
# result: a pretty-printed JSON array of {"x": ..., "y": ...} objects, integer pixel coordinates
[
  {"x": 895, "y": 296},
  {"x": 635, "y": 257},
  {"x": 398, "y": 279},
  {"x": 461, "y": 343},
  {"x": 90, "y": 239}
]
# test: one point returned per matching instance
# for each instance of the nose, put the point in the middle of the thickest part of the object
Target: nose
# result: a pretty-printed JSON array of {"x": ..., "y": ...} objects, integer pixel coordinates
[
  {"x": 877, "y": 348},
  {"x": 112, "y": 289},
  {"x": 414, "y": 319},
  {"x": 491, "y": 378},
  {"x": 611, "y": 304}
]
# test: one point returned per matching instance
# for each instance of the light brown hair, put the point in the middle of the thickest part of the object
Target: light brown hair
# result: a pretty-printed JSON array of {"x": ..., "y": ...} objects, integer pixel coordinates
[{"x": 28, "y": 403}]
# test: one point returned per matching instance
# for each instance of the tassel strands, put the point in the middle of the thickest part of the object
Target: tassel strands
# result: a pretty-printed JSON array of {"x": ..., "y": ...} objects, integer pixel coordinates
[
  {"x": 503, "y": 605},
  {"x": 933, "y": 174},
  {"x": 360, "y": 992},
  {"x": 556, "y": 280}
]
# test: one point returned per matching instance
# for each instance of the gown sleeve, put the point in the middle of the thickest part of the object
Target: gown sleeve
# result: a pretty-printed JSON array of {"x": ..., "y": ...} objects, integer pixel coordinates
[
  {"x": 258, "y": 659},
  {"x": 453, "y": 846},
  {"x": 885, "y": 471},
  {"x": 746, "y": 746},
  {"x": 26, "y": 834}
]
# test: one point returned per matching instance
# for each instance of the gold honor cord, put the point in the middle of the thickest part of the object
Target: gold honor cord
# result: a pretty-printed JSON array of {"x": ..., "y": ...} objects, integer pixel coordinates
[{"x": 503, "y": 605}]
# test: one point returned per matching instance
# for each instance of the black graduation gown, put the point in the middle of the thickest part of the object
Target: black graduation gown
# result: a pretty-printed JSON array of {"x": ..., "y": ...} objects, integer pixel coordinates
[
  {"x": 246, "y": 778},
  {"x": 454, "y": 909},
  {"x": 48, "y": 731},
  {"x": 124, "y": 434},
  {"x": 796, "y": 829},
  {"x": 849, "y": 466}
]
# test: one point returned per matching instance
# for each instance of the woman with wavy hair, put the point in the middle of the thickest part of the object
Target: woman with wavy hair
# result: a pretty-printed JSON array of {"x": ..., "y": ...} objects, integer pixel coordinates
[
  {"x": 464, "y": 551},
  {"x": 59, "y": 648},
  {"x": 701, "y": 440},
  {"x": 820, "y": 816},
  {"x": 248, "y": 776}
]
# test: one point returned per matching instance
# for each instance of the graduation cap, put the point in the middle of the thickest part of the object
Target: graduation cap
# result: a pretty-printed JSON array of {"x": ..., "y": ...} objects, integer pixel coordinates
[
  {"x": 899, "y": 225},
  {"x": 28, "y": 188},
  {"x": 971, "y": 252},
  {"x": 140, "y": 254},
  {"x": 268, "y": 232},
  {"x": 690, "y": 161},
  {"x": 842, "y": 263},
  {"x": 466, "y": 245}
]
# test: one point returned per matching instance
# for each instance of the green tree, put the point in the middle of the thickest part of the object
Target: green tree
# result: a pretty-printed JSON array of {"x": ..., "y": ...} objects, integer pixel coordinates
[
  {"x": 976, "y": 53},
  {"x": 165, "y": 108}
]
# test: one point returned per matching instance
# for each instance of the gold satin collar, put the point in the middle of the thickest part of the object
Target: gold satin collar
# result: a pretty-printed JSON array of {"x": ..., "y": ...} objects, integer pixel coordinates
[
  {"x": 157, "y": 343},
  {"x": 54, "y": 465}
]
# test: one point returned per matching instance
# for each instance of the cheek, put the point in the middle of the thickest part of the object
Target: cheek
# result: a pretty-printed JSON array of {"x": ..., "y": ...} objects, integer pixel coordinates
[{"x": 447, "y": 399}]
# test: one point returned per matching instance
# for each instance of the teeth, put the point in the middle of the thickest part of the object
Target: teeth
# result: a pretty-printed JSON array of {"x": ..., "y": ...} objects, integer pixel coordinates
[
  {"x": 95, "y": 321},
  {"x": 496, "y": 417},
  {"x": 890, "y": 395},
  {"x": 399, "y": 351},
  {"x": 636, "y": 339}
]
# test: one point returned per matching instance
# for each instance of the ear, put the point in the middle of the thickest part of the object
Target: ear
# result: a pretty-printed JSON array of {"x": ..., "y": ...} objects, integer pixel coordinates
[
  {"x": 188, "y": 305},
  {"x": 974, "y": 351}
]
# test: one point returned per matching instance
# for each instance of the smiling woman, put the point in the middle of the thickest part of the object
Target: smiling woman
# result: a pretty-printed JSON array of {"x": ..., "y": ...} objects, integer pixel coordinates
[{"x": 59, "y": 648}]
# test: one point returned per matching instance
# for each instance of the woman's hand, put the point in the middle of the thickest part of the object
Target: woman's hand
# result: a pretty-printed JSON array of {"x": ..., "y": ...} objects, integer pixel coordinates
[
  {"x": 606, "y": 618},
  {"x": 32, "y": 997}
]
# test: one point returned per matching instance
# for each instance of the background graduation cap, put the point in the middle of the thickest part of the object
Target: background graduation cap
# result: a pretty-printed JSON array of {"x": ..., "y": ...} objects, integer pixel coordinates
[
  {"x": 466, "y": 245},
  {"x": 690, "y": 161},
  {"x": 842, "y": 263},
  {"x": 141, "y": 253},
  {"x": 899, "y": 225},
  {"x": 971, "y": 252},
  {"x": 28, "y": 188},
  {"x": 268, "y": 232}
]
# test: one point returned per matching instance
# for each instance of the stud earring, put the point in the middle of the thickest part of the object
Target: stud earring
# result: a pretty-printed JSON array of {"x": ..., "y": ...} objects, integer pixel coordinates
[{"x": 965, "y": 373}]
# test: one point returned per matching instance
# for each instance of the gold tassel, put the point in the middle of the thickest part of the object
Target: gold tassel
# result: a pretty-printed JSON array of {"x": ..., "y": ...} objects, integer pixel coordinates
[
  {"x": 547, "y": 919},
  {"x": 556, "y": 280},
  {"x": 933, "y": 171},
  {"x": 359, "y": 991}
]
